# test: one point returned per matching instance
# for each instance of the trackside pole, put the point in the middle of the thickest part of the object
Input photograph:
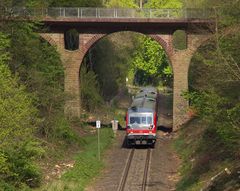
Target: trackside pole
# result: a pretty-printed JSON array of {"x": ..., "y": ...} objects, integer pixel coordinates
[{"x": 98, "y": 126}]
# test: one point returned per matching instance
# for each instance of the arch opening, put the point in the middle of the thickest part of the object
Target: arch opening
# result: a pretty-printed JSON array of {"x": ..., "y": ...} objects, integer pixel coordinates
[
  {"x": 117, "y": 67},
  {"x": 180, "y": 40},
  {"x": 71, "y": 40}
]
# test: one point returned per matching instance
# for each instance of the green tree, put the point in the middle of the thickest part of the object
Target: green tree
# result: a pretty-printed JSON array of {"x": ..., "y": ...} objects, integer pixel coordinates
[
  {"x": 122, "y": 4},
  {"x": 39, "y": 68},
  {"x": 109, "y": 59},
  {"x": 76, "y": 3},
  {"x": 214, "y": 78},
  {"x": 150, "y": 63},
  {"x": 18, "y": 122},
  {"x": 17, "y": 113},
  {"x": 159, "y": 4}
]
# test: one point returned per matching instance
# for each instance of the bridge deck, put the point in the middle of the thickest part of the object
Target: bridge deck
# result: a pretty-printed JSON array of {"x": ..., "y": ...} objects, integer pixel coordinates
[
  {"x": 110, "y": 20},
  {"x": 124, "y": 13}
]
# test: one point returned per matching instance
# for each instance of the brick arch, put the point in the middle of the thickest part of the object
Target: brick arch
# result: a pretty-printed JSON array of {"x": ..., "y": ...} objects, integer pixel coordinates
[
  {"x": 194, "y": 43},
  {"x": 91, "y": 42},
  {"x": 163, "y": 42},
  {"x": 166, "y": 44},
  {"x": 198, "y": 41},
  {"x": 48, "y": 38}
]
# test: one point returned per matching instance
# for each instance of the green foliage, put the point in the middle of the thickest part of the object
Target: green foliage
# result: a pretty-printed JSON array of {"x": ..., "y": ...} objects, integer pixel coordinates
[
  {"x": 39, "y": 67},
  {"x": 150, "y": 63},
  {"x": 23, "y": 114},
  {"x": 109, "y": 59},
  {"x": 4, "y": 44},
  {"x": 87, "y": 165},
  {"x": 90, "y": 91},
  {"x": 193, "y": 4},
  {"x": 21, "y": 168},
  {"x": 72, "y": 39},
  {"x": 122, "y": 4},
  {"x": 214, "y": 94},
  {"x": 155, "y": 4},
  {"x": 62, "y": 130},
  {"x": 227, "y": 11},
  {"x": 76, "y": 3},
  {"x": 37, "y": 3},
  {"x": 204, "y": 153},
  {"x": 17, "y": 113},
  {"x": 218, "y": 112},
  {"x": 180, "y": 40},
  {"x": 18, "y": 121}
]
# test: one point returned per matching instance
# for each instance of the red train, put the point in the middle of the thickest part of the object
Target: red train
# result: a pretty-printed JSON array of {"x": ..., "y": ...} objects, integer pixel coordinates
[{"x": 141, "y": 118}]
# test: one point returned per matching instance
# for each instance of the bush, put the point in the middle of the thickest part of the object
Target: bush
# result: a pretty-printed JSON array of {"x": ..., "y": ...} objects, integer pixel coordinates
[
  {"x": 18, "y": 119},
  {"x": 90, "y": 91},
  {"x": 17, "y": 166},
  {"x": 62, "y": 130}
]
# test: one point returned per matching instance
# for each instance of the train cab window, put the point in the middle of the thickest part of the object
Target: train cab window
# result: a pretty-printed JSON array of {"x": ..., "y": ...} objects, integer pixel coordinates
[
  {"x": 134, "y": 120},
  {"x": 144, "y": 120},
  {"x": 149, "y": 120}
]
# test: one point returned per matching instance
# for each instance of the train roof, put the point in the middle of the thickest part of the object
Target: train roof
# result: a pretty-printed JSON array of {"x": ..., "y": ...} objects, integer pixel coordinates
[
  {"x": 147, "y": 92},
  {"x": 144, "y": 104},
  {"x": 148, "y": 89}
]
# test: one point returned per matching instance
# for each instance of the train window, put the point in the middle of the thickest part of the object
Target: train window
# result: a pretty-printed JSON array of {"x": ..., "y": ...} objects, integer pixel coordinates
[
  {"x": 149, "y": 120},
  {"x": 134, "y": 120},
  {"x": 145, "y": 120}
]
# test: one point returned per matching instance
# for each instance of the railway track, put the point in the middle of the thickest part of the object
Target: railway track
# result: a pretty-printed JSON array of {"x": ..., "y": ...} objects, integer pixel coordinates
[
  {"x": 146, "y": 168},
  {"x": 129, "y": 179}
]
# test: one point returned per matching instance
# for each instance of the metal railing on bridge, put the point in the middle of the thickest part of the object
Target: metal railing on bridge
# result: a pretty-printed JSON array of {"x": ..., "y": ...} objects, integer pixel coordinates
[{"x": 83, "y": 12}]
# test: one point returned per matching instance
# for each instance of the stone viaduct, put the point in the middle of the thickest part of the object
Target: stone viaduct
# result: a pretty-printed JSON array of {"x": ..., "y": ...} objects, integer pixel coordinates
[{"x": 91, "y": 30}]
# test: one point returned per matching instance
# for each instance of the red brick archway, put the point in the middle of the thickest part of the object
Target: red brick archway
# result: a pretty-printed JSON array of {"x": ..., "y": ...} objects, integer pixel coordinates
[{"x": 163, "y": 41}]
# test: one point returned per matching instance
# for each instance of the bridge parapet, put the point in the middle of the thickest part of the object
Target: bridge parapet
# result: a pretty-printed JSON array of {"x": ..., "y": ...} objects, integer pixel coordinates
[{"x": 84, "y": 12}]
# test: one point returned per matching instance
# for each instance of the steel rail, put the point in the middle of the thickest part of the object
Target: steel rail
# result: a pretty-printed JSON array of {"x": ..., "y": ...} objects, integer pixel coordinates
[
  {"x": 146, "y": 169},
  {"x": 126, "y": 170}
]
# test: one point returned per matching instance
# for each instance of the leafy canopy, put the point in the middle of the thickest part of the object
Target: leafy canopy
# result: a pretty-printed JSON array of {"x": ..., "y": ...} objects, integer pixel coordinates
[
  {"x": 150, "y": 62},
  {"x": 155, "y": 4}
]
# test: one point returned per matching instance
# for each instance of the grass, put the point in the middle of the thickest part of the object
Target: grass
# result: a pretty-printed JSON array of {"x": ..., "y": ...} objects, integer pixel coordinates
[{"x": 86, "y": 167}]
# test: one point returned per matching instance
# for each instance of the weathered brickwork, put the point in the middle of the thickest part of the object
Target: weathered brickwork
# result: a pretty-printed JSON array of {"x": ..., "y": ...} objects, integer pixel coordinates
[{"x": 180, "y": 61}]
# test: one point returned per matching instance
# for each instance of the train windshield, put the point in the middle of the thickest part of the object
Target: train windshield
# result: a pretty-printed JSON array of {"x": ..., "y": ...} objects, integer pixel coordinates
[{"x": 141, "y": 119}]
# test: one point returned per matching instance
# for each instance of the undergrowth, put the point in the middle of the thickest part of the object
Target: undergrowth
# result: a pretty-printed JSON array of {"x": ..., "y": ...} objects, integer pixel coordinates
[
  {"x": 204, "y": 155},
  {"x": 86, "y": 167}
]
